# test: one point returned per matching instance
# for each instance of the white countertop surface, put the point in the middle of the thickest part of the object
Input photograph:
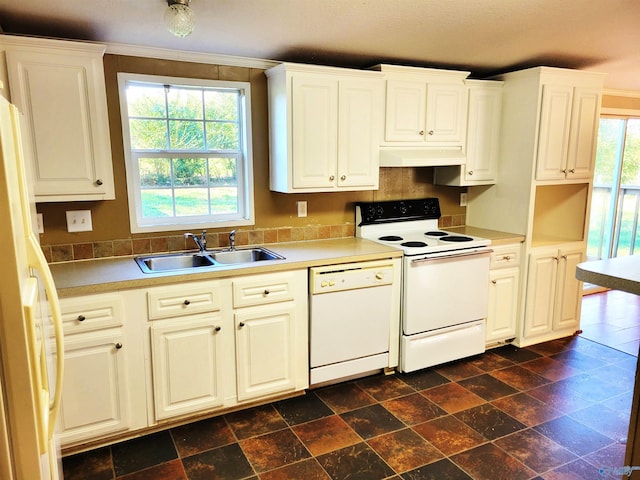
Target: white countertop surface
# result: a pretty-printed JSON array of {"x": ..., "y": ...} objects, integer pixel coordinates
[{"x": 621, "y": 273}]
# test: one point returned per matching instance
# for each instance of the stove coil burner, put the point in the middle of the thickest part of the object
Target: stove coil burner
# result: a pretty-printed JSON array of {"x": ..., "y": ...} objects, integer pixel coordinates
[
  {"x": 414, "y": 244},
  {"x": 436, "y": 233},
  {"x": 456, "y": 238},
  {"x": 390, "y": 238}
]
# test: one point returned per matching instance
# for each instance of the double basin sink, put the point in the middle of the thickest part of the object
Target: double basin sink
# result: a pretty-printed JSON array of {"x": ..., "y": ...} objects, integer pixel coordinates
[{"x": 212, "y": 258}]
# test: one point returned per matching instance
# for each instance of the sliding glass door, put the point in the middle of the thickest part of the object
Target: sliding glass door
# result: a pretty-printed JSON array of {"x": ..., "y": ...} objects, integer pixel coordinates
[{"x": 613, "y": 226}]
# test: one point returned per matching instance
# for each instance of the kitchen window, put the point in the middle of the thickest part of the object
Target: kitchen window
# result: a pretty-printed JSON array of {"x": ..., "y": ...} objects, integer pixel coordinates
[{"x": 187, "y": 152}]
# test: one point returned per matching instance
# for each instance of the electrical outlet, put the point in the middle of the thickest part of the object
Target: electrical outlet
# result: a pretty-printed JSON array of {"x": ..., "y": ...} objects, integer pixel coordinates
[
  {"x": 79, "y": 221},
  {"x": 463, "y": 199},
  {"x": 302, "y": 208}
]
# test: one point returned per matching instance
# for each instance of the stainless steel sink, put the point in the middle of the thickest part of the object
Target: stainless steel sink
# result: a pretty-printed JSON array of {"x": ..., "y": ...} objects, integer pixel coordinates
[
  {"x": 210, "y": 258},
  {"x": 179, "y": 261},
  {"x": 245, "y": 255}
]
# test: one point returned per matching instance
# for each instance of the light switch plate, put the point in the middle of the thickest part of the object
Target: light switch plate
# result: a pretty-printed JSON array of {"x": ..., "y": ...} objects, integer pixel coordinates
[
  {"x": 40, "y": 222},
  {"x": 79, "y": 221},
  {"x": 302, "y": 208}
]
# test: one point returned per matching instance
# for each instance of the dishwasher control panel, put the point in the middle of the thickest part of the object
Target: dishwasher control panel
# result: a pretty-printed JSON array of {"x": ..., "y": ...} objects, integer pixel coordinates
[{"x": 350, "y": 276}]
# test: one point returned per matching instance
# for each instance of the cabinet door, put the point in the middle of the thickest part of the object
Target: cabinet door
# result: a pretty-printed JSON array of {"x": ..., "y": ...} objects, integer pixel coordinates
[
  {"x": 569, "y": 291},
  {"x": 65, "y": 127},
  {"x": 503, "y": 304},
  {"x": 483, "y": 134},
  {"x": 553, "y": 136},
  {"x": 264, "y": 350},
  {"x": 359, "y": 132},
  {"x": 541, "y": 291},
  {"x": 446, "y": 113},
  {"x": 585, "y": 117},
  {"x": 187, "y": 365},
  {"x": 314, "y": 132},
  {"x": 406, "y": 111},
  {"x": 94, "y": 397}
]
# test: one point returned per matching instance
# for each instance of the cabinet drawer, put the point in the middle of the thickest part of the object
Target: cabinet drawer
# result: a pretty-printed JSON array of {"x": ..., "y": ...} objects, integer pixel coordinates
[
  {"x": 178, "y": 300},
  {"x": 263, "y": 290},
  {"x": 505, "y": 256},
  {"x": 88, "y": 313}
]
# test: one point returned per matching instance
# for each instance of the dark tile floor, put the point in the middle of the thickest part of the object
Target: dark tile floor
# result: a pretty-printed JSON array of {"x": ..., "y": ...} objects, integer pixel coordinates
[{"x": 557, "y": 410}]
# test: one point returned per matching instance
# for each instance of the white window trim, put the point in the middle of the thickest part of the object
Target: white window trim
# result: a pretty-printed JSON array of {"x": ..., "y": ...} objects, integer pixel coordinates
[{"x": 133, "y": 181}]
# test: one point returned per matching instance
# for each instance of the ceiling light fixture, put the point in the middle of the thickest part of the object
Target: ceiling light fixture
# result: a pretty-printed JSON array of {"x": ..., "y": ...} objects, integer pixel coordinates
[{"x": 179, "y": 17}]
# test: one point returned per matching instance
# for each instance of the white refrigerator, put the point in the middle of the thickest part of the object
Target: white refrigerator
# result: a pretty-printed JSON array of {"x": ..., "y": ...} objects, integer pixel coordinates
[{"x": 31, "y": 343}]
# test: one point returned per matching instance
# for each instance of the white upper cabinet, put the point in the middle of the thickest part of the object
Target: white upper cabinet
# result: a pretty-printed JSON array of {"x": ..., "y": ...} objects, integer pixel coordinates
[
  {"x": 425, "y": 106},
  {"x": 325, "y": 127},
  {"x": 568, "y": 131},
  {"x": 483, "y": 138},
  {"x": 59, "y": 88}
]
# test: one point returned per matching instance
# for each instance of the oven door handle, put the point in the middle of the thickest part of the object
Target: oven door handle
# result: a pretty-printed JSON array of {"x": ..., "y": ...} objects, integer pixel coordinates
[{"x": 436, "y": 256}]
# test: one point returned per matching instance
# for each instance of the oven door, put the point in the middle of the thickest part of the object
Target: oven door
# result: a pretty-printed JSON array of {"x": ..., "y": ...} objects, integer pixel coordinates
[{"x": 445, "y": 289}]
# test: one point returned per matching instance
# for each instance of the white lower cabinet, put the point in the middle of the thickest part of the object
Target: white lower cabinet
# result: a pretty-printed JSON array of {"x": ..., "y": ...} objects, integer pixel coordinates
[
  {"x": 264, "y": 350},
  {"x": 214, "y": 344},
  {"x": 95, "y": 400},
  {"x": 271, "y": 328},
  {"x": 187, "y": 364},
  {"x": 504, "y": 282},
  {"x": 552, "y": 307}
]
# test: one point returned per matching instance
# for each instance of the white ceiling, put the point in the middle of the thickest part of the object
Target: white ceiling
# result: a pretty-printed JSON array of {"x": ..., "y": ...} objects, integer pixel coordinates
[{"x": 482, "y": 36}]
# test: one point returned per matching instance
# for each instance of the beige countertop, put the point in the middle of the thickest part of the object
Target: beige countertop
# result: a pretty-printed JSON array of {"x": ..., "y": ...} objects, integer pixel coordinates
[
  {"x": 621, "y": 273},
  {"x": 84, "y": 277},
  {"x": 93, "y": 276}
]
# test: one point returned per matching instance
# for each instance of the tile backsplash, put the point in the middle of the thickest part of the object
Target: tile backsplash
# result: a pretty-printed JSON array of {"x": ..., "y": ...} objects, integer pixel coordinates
[{"x": 173, "y": 243}]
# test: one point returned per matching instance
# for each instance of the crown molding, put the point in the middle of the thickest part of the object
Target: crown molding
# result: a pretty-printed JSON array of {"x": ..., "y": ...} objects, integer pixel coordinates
[{"x": 188, "y": 56}]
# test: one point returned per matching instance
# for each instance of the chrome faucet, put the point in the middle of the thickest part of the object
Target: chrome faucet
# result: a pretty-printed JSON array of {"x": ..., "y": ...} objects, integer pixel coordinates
[
  {"x": 200, "y": 242},
  {"x": 232, "y": 240}
]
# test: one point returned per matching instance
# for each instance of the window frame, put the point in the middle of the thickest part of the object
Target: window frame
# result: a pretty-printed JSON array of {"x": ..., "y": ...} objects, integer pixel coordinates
[{"x": 245, "y": 194}]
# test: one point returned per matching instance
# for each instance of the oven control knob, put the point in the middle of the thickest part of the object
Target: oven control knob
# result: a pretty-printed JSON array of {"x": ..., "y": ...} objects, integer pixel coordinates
[
  {"x": 403, "y": 209},
  {"x": 324, "y": 284},
  {"x": 371, "y": 211},
  {"x": 379, "y": 276},
  {"x": 331, "y": 283}
]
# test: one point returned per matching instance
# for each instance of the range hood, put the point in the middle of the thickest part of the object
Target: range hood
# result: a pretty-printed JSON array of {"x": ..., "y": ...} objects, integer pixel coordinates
[{"x": 421, "y": 156}]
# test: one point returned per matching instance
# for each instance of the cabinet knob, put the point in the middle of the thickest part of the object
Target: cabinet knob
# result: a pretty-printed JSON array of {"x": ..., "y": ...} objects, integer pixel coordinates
[
  {"x": 241, "y": 324},
  {"x": 343, "y": 178},
  {"x": 421, "y": 132},
  {"x": 494, "y": 282},
  {"x": 470, "y": 172},
  {"x": 332, "y": 178},
  {"x": 118, "y": 345},
  {"x": 266, "y": 292},
  {"x": 431, "y": 132},
  {"x": 81, "y": 318},
  {"x": 506, "y": 257},
  {"x": 98, "y": 182},
  {"x": 379, "y": 276},
  {"x": 573, "y": 170},
  {"x": 564, "y": 257},
  {"x": 187, "y": 302},
  {"x": 564, "y": 171},
  {"x": 555, "y": 259},
  {"x": 218, "y": 328}
]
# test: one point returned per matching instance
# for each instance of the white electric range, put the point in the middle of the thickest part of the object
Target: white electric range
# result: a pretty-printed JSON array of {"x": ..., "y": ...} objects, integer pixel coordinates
[{"x": 445, "y": 280}]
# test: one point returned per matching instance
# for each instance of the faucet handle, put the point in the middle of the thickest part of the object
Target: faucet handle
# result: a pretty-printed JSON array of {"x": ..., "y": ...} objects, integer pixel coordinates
[{"x": 203, "y": 239}]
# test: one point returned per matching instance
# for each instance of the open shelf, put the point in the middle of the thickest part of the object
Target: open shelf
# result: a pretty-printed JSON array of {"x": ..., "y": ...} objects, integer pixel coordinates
[{"x": 559, "y": 213}]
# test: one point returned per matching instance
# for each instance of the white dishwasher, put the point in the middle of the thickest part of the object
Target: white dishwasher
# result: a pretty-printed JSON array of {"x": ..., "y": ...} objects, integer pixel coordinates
[{"x": 354, "y": 319}]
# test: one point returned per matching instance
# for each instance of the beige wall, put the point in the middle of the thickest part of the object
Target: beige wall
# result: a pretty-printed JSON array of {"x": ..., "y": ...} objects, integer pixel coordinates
[
  {"x": 273, "y": 210},
  {"x": 621, "y": 102}
]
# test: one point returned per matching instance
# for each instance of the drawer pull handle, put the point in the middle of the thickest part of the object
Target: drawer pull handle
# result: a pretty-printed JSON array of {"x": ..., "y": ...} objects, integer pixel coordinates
[
  {"x": 241, "y": 324},
  {"x": 81, "y": 318},
  {"x": 218, "y": 328},
  {"x": 187, "y": 302},
  {"x": 266, "y": 292},
  {"x": 506, "y": 257},
  {"x": 118, "y": 346}
]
